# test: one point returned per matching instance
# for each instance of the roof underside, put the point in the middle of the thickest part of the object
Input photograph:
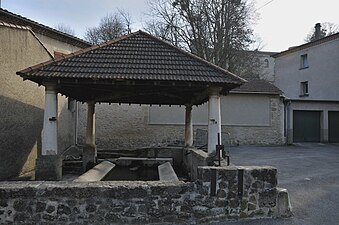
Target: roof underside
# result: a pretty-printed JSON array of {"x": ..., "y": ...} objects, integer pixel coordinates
[{"x": 137, "y": 68}]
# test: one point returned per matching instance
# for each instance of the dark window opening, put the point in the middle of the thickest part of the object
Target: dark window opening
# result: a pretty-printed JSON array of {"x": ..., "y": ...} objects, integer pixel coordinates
[{"x": 303, "y": 61}]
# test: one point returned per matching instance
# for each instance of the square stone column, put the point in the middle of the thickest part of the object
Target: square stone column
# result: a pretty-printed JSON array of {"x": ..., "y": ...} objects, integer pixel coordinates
[
  {"x": 214, "y": 120},
  {"x": 89, "y": 153},
  {"x": 49, "y": 162},
  {"x": 188, "y": 126}
]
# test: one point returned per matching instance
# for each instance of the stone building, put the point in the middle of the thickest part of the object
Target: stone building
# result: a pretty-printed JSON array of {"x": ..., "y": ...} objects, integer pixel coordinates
[
  {"x": 309, "y": 77},
  {"x": 25, "y": 43},
  {"x": 251, "y": 115}
]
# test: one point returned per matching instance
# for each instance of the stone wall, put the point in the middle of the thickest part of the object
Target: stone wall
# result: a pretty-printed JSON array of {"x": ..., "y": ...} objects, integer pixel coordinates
[
  {"x": 127, "y": 127},
  {"x": 147, "y": 202},
  {"x": 192, "y": 159}
]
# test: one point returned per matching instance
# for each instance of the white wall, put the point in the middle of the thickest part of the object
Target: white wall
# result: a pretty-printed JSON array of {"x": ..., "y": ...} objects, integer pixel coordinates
[
  {"x": 236, "y": 110},
  {"x": 322, "y": 74},
  {"x": 266, "y": 73}
]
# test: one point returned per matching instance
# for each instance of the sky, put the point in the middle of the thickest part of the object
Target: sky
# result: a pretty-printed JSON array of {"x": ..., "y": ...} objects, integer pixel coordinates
[{"x": 281, "y": 23}]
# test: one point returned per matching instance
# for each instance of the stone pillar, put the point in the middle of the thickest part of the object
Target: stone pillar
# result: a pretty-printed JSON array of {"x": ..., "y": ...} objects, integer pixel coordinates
[
  {"x": 89, "y": 152},
  {"x": 214, "y": 120},
  {"x": 188, "y": 126},
  {"x": 49, "y": 162}
]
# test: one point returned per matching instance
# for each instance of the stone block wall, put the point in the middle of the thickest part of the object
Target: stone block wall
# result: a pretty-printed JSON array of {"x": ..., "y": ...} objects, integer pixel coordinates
[
  {"x": 245, "y": 192},
  {"x": 192, "y": 159},
  {"x": 128, "y": 127},
  {"x": 146, "y": 202}
]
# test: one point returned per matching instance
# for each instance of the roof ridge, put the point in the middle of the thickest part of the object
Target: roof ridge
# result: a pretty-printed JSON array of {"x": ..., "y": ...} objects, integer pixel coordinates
[{"x": 192, "y": 55}]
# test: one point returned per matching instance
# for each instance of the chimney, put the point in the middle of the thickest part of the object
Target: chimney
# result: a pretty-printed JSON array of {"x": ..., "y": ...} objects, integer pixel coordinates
[{"x": 317, "y": 32}]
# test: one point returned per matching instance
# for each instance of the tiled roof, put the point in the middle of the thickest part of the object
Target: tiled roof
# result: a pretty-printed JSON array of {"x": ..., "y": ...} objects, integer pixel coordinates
[
  {"x": 4, "y": 24},
  {"x": 308, "y": 45},
  {"x": 138, "y": 56},
  {"x": 12, "y": 18},
  {"x": 257, "y": 86}
]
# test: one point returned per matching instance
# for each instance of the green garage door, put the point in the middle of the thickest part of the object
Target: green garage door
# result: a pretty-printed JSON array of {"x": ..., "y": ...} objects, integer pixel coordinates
[
  {"x": 306, "y": 126},
  {"x": 333, "y": 126}
]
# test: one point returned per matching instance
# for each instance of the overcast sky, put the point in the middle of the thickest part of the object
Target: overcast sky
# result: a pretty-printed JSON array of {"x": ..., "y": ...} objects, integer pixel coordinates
[{"x": 282, "y": 23}]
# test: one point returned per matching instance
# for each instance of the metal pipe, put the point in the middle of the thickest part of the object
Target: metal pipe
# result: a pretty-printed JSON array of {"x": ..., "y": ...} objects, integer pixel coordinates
[{"x": 218, "y": 148}]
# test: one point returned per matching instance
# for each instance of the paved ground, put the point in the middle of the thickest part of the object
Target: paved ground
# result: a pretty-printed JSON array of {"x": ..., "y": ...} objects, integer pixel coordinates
[{"x": 310, "y": 172}]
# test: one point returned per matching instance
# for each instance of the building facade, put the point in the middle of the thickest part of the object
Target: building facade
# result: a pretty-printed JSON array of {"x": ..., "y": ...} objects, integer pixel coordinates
[
  {"x": 309, "y": 77},
  {"x": 25, "y": 43}
]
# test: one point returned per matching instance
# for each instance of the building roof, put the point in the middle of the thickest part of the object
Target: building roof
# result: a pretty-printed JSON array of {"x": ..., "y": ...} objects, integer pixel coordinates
[
  {"x": 137, "y": 59},
  {"x": 11, "y": 18},
  {"x": 258, "y": 86},
  {"x": 138, "y": 56},
  {"x": 307, "y": 45}
]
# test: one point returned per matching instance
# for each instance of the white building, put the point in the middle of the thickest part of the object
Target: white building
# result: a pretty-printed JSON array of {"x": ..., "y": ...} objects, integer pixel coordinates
[{"x": 309, "y": 77}]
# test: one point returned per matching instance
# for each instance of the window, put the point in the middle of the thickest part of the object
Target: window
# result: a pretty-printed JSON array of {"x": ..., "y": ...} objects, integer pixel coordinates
[
  {"x": 304, "y": 89},
  {"x": 303, "y": 61},
  {"x": 266, "y": 63}
]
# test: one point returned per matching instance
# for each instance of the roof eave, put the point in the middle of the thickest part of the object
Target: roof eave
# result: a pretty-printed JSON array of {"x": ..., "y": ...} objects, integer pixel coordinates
[{"x": 307, "y": 45}]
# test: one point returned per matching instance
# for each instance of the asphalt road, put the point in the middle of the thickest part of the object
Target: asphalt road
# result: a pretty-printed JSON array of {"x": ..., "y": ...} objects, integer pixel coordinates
[{"x": 310, "y": 172}]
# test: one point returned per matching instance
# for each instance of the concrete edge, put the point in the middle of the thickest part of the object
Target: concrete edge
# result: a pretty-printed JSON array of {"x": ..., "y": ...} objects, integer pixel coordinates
[{"x": 97, "y": 173}]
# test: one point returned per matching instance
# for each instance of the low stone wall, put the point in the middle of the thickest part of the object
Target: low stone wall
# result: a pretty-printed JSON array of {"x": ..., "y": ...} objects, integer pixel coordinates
[
  {"x": 146, "y": 202},
  {"x": 192, "y": 159}
]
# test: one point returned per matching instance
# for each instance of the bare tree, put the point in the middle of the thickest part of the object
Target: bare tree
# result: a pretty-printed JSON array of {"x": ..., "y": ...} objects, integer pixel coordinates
[
  {"x": 111, "y": 26},
  {"x": 65, "y": 28},
  {"x": 326, "y": 30},
  {"x": 216, "y": 30}
]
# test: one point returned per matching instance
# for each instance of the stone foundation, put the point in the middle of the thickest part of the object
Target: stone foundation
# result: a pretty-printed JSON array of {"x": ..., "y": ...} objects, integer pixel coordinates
[
  {"x": 48, "y": 167},
  {"x": 147, "y": 202}
]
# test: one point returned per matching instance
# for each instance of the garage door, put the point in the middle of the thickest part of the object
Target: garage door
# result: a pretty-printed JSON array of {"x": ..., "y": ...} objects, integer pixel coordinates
[
  {"x": 333, "y": 126},
  {"x": 306, "y": 126}
]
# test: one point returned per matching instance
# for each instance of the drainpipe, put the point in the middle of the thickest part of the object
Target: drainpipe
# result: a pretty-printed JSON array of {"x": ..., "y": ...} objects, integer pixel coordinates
[
  {"x": 76, "y": 121},
  {"x": 287, "y": 120}
]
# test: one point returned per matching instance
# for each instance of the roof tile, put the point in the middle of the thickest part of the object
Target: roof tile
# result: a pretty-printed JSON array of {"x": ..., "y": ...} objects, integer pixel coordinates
[{"x": 137, "y": 56}]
